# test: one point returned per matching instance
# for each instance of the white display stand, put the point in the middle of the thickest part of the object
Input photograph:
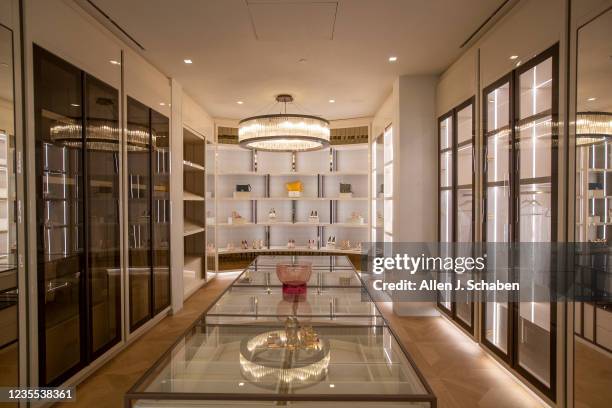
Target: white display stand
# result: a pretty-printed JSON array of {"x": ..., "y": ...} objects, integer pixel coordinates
[{"x": 320, "y": 173}]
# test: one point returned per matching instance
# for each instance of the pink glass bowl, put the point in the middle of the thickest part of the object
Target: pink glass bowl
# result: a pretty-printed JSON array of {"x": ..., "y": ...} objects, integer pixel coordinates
[{"x": 294, "y": 274}]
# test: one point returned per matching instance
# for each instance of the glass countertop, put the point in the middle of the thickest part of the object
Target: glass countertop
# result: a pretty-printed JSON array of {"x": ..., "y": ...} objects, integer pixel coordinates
[
  {"x": 318, "y": 262},
  {"x": 315, "y": 301},
  {"x": 328, "y": 276},
  {"x": 269, "y": 345},
  {"x": 213, "y": 360}
]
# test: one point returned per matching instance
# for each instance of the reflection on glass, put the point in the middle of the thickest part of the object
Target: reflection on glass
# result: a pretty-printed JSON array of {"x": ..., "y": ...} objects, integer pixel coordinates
[
  {"x": 139, "y": 211},
  {"x": 59, "y": 202},
  {"x": 102, "y": 158},
  {"x": 593, "y": 212},
  {"x": 9, "y": 338}
]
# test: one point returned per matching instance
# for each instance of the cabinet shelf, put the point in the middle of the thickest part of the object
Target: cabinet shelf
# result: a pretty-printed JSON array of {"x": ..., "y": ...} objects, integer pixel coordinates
[
  {"x": 190, "y": 166},
  {"x": 187, "y": 196},
  {"x": 191, "y": 228}
]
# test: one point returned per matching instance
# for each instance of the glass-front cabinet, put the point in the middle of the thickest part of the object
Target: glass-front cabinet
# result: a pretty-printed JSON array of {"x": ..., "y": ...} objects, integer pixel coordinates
[
  {"x": 520, "y": 153},
  {"x": 77, "y": 182},
  {"x": 456, "y": 206},
  {"x": 11, "y": 221},
  {"x": 148, "y": 181}
]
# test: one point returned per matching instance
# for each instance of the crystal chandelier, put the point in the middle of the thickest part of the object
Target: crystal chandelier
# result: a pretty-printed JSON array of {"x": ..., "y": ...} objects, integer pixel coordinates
[
  {"x": 284, "y": 132},
  {"x": 593, "y": 127}
]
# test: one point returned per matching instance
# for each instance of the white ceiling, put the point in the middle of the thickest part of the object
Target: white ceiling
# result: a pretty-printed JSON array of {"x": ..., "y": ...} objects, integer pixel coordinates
[{"x": 250, "y": 50}]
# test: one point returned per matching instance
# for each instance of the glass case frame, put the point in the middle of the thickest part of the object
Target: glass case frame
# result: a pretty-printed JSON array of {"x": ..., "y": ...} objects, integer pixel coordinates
[
  {"x": 511, "y": 355},
  {"x": 452, "y": 148}
]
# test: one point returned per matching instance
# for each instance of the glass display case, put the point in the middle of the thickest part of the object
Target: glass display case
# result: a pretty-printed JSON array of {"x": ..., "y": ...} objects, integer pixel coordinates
[
  {"x": 521, "y": 181},
  {"x": 290, "y": 358},
  {"x": 456, "y": 206},
  {"x": 160, "y": 153},
  {"x": 148, "y": 162},
  {"x": 139, "y": 212},
  {"x": 10, "y": 318},
  {"x": 77, "y": 168},
  {"x": 497, "y": 197},
  {"x": 446, "y": 201}
]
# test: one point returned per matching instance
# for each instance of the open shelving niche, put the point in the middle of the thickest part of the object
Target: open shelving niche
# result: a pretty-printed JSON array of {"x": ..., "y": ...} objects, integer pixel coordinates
[
  {"x": 198, "y": 203},
  {"x": 320, "y": 172}
]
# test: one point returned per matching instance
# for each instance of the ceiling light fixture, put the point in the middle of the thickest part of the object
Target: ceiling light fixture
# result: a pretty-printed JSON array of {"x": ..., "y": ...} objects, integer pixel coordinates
[
  {"x": 188, "y": 61},
  {"x": 591, "y": 99},
  {"x": 332, "y": 101},
  {"x": 239, "y": 102},
  {"x": 593, "y": 127},
  {"x": 284, "y": 132},
  {"x": 162, "y": 104},
  {"x": 392, "y": 58},
  {"x": 76, "y": 105},
  {"x": 513, "y": 57},
  {"x": 115, "y": 62}
]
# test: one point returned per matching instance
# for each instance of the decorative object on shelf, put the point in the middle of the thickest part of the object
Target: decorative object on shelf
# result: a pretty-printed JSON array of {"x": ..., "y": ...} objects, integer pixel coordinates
[
  {"x": 230, "y": 246},
  {"x": 210, "y": 248},
  {"x": 291, "y": 244},
  {"x": 346, "y": 190},
  {"x": 284, "y": 132},
  {"x": 314, "y": 217},
  {"x": 210, "y": 219},
  {"x": 242, "y": 191},
  {"x": 236, "y": 218},
  {"x": 593, "y": 127},
  {"x": 356, "y": 218},
  {"x": 272, "y": 215},
  {"x": 312, "y": 244},
  {"x": 331, "y": 242},
  {"x": 345, "y": 280},
  {"x": 257, "y": 244},
  {"x": 345, "y": 244},
  {"x": 294, "y": 189}
]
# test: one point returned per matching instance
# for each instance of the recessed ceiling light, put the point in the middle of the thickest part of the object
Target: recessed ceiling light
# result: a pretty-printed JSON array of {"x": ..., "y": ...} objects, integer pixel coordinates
[
  {"x": 162, "y": 104},
  {"x": 115, "y": 62},
  {"x": 188, "y": 61},
  {"x": 331, "y": 386},
  {"x": 513, "y": 57},
  {"x": 591, "y": 99},
  {"x": 392, "y": 58},
  {"x": 76, "y": 105},
  {"x": 332, "y": 101},
  {"x": 240, "y": 384},
  {"x": 518, "y": 63},
  {"x": 239, "y": 102}
]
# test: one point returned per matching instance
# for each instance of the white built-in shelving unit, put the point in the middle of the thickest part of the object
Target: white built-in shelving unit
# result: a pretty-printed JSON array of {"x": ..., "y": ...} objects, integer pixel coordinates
[{"x": 267, "y": 173}]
